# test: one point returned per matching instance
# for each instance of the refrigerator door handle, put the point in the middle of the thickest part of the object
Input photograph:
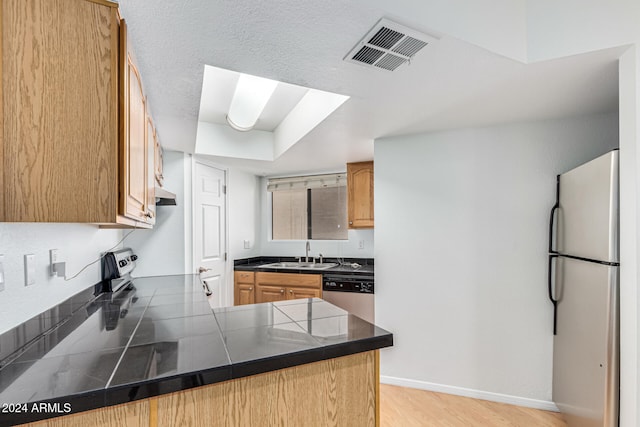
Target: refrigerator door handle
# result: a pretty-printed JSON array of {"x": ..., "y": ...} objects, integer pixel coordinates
[
  {"x": 551, "y": 293},
  {"x": 552, "y": 216}
]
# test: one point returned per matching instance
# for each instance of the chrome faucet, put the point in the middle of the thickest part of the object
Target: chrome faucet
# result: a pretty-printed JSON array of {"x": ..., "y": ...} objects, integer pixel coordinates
[{"x": 306, "y": 252}]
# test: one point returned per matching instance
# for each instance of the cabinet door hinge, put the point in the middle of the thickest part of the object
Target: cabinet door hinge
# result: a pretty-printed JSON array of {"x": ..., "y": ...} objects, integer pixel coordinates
[
  {"x": 225, "y": 256},
  {"x": 224, "y": 189}
]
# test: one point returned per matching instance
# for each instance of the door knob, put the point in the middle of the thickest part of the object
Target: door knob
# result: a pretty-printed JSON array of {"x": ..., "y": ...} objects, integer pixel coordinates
[{"x": 202, "y": 270}]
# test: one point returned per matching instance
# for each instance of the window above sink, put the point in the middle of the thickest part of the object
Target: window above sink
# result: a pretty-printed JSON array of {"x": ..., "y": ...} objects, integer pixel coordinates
[{"x": 309, "y": 207}]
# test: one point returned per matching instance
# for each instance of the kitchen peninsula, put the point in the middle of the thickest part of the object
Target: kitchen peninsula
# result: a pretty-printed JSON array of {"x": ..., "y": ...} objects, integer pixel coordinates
[{"x": 158, "y": 352}]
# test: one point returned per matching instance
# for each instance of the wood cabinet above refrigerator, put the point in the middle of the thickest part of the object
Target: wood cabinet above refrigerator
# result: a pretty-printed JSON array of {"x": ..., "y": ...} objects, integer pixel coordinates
[
  {"x": 360, "y": 194},
  {"x": 61, "y": 146}
]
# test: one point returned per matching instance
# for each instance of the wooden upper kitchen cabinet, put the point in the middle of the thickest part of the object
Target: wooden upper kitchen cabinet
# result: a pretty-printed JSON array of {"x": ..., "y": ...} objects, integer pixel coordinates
[
  {"x": 360, "y": 194},
  {"x": 150, "y": 173},
  {"x": 159, "y": 161},
  {"x": 136, "y": 140},
  {"x": 244, "y": 288},
  {"x": 134, "y": 137},
  {"x": 61, "y": 158},
  {"x": 272, "y": 287},
  {"x": 59, "y": 148}
]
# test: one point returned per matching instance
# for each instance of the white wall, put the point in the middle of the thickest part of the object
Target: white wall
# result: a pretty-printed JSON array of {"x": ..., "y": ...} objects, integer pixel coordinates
[
  {"x": 164, "y": 249},
  {"x": 221, "y": 140},
  {"x": 328, "y": 248},
  {"x": 629, "y": 238},
  {"x": 79, "y": 244},
  {"x": 244, "y": 214},
  {"x": 557, "y": 28},
  {"x": 461, "y": 253}
]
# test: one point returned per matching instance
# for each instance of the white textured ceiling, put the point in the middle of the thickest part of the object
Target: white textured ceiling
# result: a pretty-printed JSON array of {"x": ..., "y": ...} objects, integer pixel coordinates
[{"x": 450, "y": 84}]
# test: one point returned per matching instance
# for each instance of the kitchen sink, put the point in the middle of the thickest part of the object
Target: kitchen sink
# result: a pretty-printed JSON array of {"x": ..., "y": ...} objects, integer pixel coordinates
[{"x": 300, "y": 265}]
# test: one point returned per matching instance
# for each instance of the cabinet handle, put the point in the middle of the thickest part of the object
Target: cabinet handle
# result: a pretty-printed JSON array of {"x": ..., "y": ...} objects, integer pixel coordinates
[
  {"x": 250, "y": 289},
  {"x": 282, "y": 291},
  {"x": 350, "y": 222},
  {"x": 290, "y": 291}
]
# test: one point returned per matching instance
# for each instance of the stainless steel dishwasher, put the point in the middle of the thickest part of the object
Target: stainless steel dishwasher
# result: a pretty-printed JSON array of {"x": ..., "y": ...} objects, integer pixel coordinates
[{"x": 354, "y": 293}]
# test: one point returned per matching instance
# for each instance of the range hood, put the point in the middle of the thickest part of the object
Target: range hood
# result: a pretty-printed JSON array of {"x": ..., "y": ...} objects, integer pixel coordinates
[{"x": 164, "y": 197}]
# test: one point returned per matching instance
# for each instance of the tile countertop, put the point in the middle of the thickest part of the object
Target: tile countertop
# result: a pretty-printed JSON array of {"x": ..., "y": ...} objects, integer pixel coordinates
[
  {"x": 162, "y": 336},
  {"x": 256, "y": 264}
]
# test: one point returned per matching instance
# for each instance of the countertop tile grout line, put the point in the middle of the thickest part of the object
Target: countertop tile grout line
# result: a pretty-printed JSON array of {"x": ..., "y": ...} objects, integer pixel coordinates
[
  {"x": 126, "y": 347},
  {"x": 224, "y": 339},
  {"x": 299, "y": 326}
]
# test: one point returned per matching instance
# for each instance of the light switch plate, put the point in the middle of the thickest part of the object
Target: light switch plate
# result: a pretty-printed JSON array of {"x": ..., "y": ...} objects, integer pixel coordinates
[
  {"x": 1, "y": 272},
  {"x": 247, "y": 244},
  {"x": 54, "y": 254},
  {"x": 29, "y": 269}
]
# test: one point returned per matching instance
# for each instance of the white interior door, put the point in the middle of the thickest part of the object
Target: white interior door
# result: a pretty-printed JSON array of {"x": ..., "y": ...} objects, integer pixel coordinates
[{"x": 209, "y": 237}]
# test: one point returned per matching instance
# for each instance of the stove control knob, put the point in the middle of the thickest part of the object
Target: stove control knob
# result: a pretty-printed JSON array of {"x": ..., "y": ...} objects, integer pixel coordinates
[
  {"x": 122, "y": 262},
  {"x": 134, "y": 257}
]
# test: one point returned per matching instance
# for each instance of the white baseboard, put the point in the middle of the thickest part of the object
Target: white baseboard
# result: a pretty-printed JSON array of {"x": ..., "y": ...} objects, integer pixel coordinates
[{"x": 469, "y": 392}]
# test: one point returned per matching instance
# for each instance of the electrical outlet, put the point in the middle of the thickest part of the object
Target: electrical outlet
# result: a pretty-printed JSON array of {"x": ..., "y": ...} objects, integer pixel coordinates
[
  {"x": 1, "y": 272},
  {"x": 29, "y": 269},
  {"x": 247, "y": 244},
  {"x": 361, "y": 244}
]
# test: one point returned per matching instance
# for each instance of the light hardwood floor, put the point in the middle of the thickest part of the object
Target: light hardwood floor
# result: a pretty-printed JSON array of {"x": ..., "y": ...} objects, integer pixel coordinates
[{"x": 407, "y": 407}]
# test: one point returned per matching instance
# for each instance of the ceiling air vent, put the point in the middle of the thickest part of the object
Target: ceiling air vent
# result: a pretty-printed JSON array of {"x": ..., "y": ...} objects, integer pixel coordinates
[{"x": 388, "y": 45}]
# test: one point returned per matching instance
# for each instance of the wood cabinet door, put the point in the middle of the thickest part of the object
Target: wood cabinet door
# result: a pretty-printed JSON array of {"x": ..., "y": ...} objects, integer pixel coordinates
[
  {"x": 245, "y": 294},
  {"x": 134, "y": 138},
  {"x": 244, "y": 277},
  {"x": 159, "y": 160},
  {"x": 59, "y": 111},
  {"x": 270, "y": 294},
  {"x": 244, "y": 288},
  {"x": 360, "y": 194},
  {"x": 151, "y": 182},
  {"x": 297, "y": 293}
]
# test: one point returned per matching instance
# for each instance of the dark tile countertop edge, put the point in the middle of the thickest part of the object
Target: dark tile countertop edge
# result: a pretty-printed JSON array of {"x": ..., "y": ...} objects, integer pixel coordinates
[
  {"x": 256, "y": 263},
  {"x": 130, "y": 392}
]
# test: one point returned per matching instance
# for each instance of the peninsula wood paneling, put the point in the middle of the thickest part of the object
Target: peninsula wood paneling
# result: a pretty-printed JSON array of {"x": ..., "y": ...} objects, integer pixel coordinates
[
  {"x": 60, "y": 110},
  {"x": 334, "y": 392},
  {"x": 136, "y": 414}
]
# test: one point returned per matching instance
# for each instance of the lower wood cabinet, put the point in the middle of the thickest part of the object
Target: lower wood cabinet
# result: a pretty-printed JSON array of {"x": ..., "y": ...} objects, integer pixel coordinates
[
  {"x": 295, "y": 293},
  {"x": 271, "y": 293},
  {"x": 244, "y": 288},
  {"x": 260, "y": 287},
  {"x": 285, "y": 286}
]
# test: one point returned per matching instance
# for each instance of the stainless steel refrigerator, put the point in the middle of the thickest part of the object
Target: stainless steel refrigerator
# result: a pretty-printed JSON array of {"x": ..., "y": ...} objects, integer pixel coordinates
[{"x": 583, "y": 287}]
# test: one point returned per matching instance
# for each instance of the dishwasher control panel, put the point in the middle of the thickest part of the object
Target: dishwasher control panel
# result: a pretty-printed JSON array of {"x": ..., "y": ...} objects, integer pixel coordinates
[{"x": 347, "y": 283}]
